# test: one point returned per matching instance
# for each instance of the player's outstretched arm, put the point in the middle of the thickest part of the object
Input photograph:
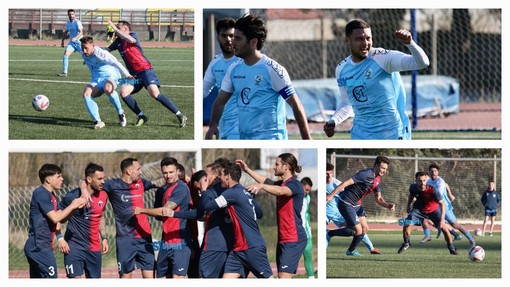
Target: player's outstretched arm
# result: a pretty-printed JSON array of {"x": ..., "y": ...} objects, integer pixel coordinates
[
  {"x": 339, "y": 188},
  {"x": 256, "y": 176},
  {"x": 299, "y": 114},
  {"x": 380, "y": 201},
  {"x": 216, "y": 112},
  {"x": 121, "y": 34},
  {"x": 271, "y": 189},
  {"x": 63, "y": 215}
]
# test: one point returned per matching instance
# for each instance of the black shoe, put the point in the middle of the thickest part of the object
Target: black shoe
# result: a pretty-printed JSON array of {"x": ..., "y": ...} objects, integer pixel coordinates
[
  {"x": 142, "y": 120},
  {"x": 403, "y": 247},
  {"x": 454, "y": 251},
  {"x": 182, "y": 120}
]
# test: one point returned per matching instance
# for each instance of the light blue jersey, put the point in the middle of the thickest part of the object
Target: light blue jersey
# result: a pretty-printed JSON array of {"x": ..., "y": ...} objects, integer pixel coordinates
[
  {"x": 440, "y": 185},
  {"x": 373, "y": 90},
  {"x": 260, "y": 91},
  {"x": 103, "y": 65},
  {"x": 332, "y": 212},
  {"x": 228, "y": 126},
  {"x": 74, "y": 28}
]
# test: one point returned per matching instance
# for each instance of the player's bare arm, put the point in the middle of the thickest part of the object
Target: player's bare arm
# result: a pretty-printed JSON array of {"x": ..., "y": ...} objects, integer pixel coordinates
[
  {"x": 339, "y": 188},
  {"x": 380, "y": 201},
  {"x": 102, "y": 233},
  {"x": 216, "y": 112},
  {"x": 121, "y": 34},
  {"x": 299, "y": 114},
  {"x": 272, "y": 189},
  {"x": 62, "y": 244},
  {"x": 257, "y": 177}
]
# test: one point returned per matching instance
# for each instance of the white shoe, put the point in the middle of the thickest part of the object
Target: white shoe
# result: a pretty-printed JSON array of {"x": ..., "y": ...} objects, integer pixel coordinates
[
  {"x": 122, "y": 120},
  {"x": 99, "y": 125}
]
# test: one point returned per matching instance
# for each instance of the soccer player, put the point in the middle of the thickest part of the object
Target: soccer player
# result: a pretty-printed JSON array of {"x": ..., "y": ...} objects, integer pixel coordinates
[
  {"x": 228, "y": 127},
  {"x": 289, "y": 194},
  {"x": 249, "y": 252},
  {"x": 175, "y": 245},
  {"x": 86, "y": 230},
  {"x": 439, "y": 183},
  {"x": 352, "y": 191},
  {"x": 333, "y": 214},
  {"x": 130, "y": 50},
  {"x": 74, "y": 29},
  {"x": 428, "y": 204},
  {"x": 490, "y": 200},
  {"x": 305, "y": 215},
  {"x": 133, "y": 232},
  {"x": 260, "y": 87},
  {"x": 110, "y": 35},
  {"x": 44, "y": 216},
  {"x": 104, "y": 73},
  {"x": 371, "y": 87}
]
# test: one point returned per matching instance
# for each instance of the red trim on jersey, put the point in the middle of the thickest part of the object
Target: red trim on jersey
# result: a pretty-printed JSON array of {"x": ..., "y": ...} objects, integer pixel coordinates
[
  {"x": 240, "y": 242},
  {"x": 377, "y": 181},
  {"x": 141, "y": 224},
  {"x": 135, "y": 57},
  {"x": 287, "y": 225},
  {"x": 96, "y": 211},
  {"x": 430, "y": 202},
  {"x": 171, "y": 225}
]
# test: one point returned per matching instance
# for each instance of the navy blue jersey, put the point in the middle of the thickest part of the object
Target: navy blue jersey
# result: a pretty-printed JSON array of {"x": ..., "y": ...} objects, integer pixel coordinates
[
  {"x": 124, "y": 197},
  {"x": 427, "y": 201},
  {"x": 218, "y": 225},
  {"x": 490, "y": 199},
  {"x": 82, "y": 230},
  {"x": 132, "y": 54},
  {"x": 241, "y": 209},
  {"x": 175, "y": 229},
  {"x": 365, "y": 181},
  {"x": 290, "y": 223},
  {"x": 42, "y": 229}
]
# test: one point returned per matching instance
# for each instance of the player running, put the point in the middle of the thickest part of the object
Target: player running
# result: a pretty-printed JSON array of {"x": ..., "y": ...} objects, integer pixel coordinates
[
  {"x": 85, "y": 235},
  {"x": 74, "y": 29},
  {"x": 104, "y": 72},
  {"x": 428, "y": 204},
  {"x": 352, "y": 191},
  {"x": 130, "y": 50},
  {"x": 371, "y": 86}
]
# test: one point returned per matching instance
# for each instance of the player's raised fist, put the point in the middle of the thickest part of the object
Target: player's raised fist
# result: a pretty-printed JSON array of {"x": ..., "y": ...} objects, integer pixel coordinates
[{"x": 403, "y": 36}]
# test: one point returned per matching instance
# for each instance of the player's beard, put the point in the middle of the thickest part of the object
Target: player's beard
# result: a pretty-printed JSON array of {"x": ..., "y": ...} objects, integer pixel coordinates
[{"x": 227, "y": 51}]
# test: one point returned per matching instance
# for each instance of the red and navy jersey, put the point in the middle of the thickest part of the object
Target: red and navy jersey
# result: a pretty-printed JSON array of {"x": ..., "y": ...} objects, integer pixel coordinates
[
  {"x": 290, "y": 223},
  {"x": 426, "y": 201},
  {"x": 124, "y": 197},
  {"x": 218, "y": 225},
  {"x": 175, "y": 230},
  {"x": 365, "y": 181},
  {"x": 132, "y": 54},
  {"x": 82, "y": 230},
  {"x": 42, "y": 229},
  {"x": 241, "y": 208}
]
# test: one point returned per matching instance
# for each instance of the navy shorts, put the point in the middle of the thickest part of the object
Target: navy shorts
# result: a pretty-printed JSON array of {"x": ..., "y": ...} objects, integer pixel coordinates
[
  {"x": 288, "y": 255},
  {"x": 131, "y": 250},
  {"x": 490, "y": 212},
  {"x": 145, "y": 78},
  {"x": 79, "y": 262},
  {"x": 42, "y": 263},
  {"x": 350, "y": 213},
  {"x": 434, "y": 216},
  {"x": 252, "y": 260},
  {"x": 173, "y": 261},
  {"x": 212, "y": 263}
]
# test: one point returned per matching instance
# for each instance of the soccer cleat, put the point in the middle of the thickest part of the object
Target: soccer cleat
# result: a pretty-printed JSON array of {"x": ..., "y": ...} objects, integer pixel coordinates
[
  {"x": 490, "y": 234},
  {"x": 142, "y": 120},
  {"x": 328, "y": 238},
  {"x": 182, "y": 120},
  {"x": 62, "y": 74},
  {"x": 352, "y": 253},
  {"x": 439, "y": 233},
  {"x": 454, "y": 251},
  {"x": 99, "y": 125},
  {"x": 122, "y": 120},
  {"x": 425, "y": 239},
  {"x": 472, "y": 243},
  {"x": 375, "y": 251},
  {"x": 457, "y": 238},
  {"x": 403, "y": 247}
]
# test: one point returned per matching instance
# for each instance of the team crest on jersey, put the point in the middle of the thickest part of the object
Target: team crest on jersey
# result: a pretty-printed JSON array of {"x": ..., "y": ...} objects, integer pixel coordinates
[
  {"x": 137, "y": 186},
  {"x": 359, "y": 94},
  {"x": 368, "y": 74},
  {"x": 258, "y": 79},
  {"x": 245, "y": 96},
  {"x": 100, "y": 203}
]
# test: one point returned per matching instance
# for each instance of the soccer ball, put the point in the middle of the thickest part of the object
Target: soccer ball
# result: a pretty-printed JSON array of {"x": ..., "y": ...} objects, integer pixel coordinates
[
  {"x": 40, "y": 103},
  {"x": 478, "y": 232},
  {"x": 476, "y": 254}
]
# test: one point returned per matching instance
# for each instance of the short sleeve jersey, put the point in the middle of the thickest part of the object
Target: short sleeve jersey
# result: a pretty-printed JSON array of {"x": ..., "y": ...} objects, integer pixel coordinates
[
  {"x": 175, "y": 229},
  {"x": 124, "y": 197},
  {"x": 74, "y": 28},
  {"x": 82, "y": 231},
  {"x": 103, "y": 64},
  {"x": 440, "y": 185},
  {"x": 288, "y": 208},
  {"x": 218, "y": 224},
  {"x": 244, "y": 219},
  {"x": 373, "y": 92},
  {"x": 426, "y": 201},
  {"x": 260, "y": 91},
  {"x": 132, "y": 54},
  {"x": 42, "y": 230},
  {"x": 365, "y": 181}
]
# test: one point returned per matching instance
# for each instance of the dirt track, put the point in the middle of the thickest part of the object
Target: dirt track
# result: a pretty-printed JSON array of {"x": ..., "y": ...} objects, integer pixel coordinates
[{"x": 151, "y": 44}]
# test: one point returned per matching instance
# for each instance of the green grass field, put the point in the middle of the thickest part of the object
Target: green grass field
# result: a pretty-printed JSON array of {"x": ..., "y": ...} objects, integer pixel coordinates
[
  {"x": 417, "y": 135},
  {"x": 428, "y": 260},
  {"x": 33, "y": 70}
]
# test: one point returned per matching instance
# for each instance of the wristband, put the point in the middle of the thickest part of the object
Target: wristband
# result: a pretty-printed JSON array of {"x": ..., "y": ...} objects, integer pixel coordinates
[{"x": 60, "y": 237}]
